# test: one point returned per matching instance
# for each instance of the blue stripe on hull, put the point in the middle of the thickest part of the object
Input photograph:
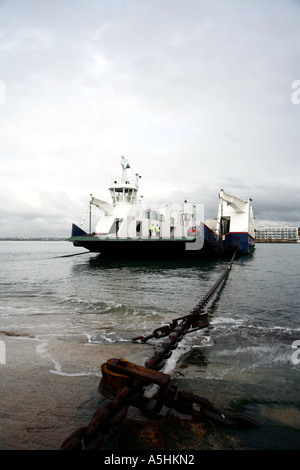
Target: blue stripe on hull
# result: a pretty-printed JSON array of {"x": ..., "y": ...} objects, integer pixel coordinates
[
  {"x": 240, "y": 240},
  {"x": 229, "y": 242}
]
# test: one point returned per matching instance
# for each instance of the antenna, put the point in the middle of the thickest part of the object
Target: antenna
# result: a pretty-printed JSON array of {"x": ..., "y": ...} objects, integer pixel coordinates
[{"x": 125, "y": 165}]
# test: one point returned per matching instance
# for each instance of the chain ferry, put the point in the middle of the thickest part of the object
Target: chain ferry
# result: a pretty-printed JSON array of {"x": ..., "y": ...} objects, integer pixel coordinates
[{"x": 128, "y": 229}]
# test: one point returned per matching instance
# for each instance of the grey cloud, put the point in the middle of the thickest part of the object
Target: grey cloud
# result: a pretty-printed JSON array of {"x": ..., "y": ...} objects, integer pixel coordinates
[{"x": 197, "y": 95}]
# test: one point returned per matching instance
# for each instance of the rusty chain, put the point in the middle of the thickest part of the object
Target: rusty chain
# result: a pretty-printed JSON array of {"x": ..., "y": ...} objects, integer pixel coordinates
[
  {"x": 109, "y": 414},
  {"x": 112, "y": 412},
  {"x": 166, "y": 330},
  {"x": 197, "y": 319},
  {"x": 201, "y": 408}
]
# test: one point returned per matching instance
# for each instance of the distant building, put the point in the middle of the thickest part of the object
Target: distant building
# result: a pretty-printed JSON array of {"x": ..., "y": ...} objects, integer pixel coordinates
[{"x": 284, "y": 233}]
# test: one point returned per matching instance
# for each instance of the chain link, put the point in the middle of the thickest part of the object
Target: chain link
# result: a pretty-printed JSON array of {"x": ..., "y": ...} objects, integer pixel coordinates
[{"x": 111, "y": 413}]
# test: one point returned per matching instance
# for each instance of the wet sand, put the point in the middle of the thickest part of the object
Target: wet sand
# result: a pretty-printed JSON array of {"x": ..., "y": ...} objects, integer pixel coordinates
[{"x": 49, "y": 387}]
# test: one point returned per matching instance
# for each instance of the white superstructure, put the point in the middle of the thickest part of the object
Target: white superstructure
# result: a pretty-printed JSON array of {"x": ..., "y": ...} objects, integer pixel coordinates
[
  {"x": 235, "y": 214},
  {"x": 126, "y": 217}
]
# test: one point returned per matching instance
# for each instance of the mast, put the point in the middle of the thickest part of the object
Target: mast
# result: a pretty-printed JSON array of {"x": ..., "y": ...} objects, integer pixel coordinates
[{"x": 125, "y": 165}]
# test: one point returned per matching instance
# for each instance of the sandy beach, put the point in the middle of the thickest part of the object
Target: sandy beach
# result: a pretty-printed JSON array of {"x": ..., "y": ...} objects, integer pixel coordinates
[{"x": 49, "y": 387}]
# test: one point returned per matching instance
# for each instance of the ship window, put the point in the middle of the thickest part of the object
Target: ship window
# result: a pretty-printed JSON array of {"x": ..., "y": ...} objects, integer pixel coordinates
[
  {"x": 133, "y": 196},
  {"x": 113, "y": 196},
  {"x": 128, "y": 194},
  {"x": 119, "y": 194}
]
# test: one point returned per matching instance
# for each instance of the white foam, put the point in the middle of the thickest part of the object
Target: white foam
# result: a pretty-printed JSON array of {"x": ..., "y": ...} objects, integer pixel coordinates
[
  {"x": 43, "y": 352},
  {"x": 69, "y": 374}
]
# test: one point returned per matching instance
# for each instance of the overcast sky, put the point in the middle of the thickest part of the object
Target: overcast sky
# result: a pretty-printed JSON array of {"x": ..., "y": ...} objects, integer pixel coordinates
[{"x": 197, "y": 94}]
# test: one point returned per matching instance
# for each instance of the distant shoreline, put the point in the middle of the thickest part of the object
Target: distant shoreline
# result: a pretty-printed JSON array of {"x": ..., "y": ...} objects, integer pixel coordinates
[
  {"x": 276, "y": 241},
  {"x": 32, "y": 239}
]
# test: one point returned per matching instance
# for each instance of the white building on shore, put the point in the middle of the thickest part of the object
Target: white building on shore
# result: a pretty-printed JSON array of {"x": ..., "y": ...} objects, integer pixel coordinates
[{"x": 277, "y": 233}]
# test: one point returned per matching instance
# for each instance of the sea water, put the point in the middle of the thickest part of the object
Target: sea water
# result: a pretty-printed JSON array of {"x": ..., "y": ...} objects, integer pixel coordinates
[{"x": 246, "y": 360}]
